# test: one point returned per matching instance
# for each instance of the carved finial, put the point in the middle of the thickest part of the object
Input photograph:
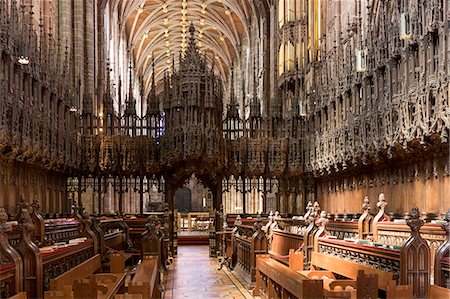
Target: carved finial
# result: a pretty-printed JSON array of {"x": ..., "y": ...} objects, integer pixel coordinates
[
  {"x": 238, "y": 221},
  {"x": 415, "y": 223},
  {"x": 381, "y": 204},
  {"x": 192, "y": 28},
  {"x": 366, "y": 204}
]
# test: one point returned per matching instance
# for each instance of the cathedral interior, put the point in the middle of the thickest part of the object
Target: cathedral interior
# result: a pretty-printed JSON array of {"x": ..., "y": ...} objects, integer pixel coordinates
[{"x": 301, "y": 147}]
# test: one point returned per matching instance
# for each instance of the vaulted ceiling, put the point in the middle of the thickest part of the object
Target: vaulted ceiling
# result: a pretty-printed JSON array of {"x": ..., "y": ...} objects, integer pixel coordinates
[{"x": 158, "y": 30}]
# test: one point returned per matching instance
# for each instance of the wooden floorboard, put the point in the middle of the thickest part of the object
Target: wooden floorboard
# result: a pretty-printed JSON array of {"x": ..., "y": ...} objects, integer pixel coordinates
[{"x": 193, "y": 274}]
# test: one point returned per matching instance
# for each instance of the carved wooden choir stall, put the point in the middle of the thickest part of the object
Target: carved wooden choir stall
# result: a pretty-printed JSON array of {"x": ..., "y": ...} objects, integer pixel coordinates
[
  {"x": 64, "y": 257},
  {"x": 320, "y": 255}
]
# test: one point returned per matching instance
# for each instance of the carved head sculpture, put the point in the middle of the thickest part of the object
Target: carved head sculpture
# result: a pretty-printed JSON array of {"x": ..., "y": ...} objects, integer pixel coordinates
[
  {"x": 323, "y": 220},
  {"x": 3, "y": 218},
  {"x": 309, "y": 206},
  {"x": 381, "y": 204},
  {"x": 225, "y": 223},
  {"x": 257, "y": 225},
  {"x": 366, "y": 204},
  {"x": 238, "y": 221},
  {"x": 415, "y": 223},
  {"x": 270, "y": 214},
  {"x": 316, "y": 208},
  {"x": 24, "y": 220},
  {"x": 35, "y": 205},
  {"x": 277, "y": 214},
  {"x": 150, "y": 225}
]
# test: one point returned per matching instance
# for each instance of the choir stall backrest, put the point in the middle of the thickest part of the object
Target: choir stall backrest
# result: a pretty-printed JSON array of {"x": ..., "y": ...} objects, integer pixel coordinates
[
  {"x": 381, "y": 215},
  {"x": 9, "y": 256},
  {"x": 415, "y": 264}
]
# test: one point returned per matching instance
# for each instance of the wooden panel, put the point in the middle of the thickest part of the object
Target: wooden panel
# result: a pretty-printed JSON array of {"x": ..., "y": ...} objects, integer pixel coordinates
[
  {"x": 437, "y": 292},
  {"x": 427, "y": 193},
  {"x": 21, "y": 295},
  {"x": 290, "y": 280},
  {"x": 146, "y": 279}
]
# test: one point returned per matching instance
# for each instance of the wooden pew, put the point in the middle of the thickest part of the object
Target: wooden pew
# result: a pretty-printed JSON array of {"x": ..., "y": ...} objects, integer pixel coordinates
[
  {"x": 346, "y": 258},
  {"x": 395, "y": 232},
  {"x": 248, "y": 242},
  {"x": 74, "y": 237},
  {"x": 115, "y": 233},
  {"x": 11, "y": 269},
  {"x": 137, "y": 228},
  {"x": 146, "y": 280},
  {"x": 354, "y": 226},
  {"x": 286, "y": 234},
  {"x": 275, "y": 280}
]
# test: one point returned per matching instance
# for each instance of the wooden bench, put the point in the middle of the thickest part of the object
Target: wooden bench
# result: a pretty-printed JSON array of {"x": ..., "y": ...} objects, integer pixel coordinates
[
  {"x": 346, "y": 258},
  {"x": 146, "y": 279},
  {"x": 275, "y": 280},
  {"x": 286, "y": 234}
]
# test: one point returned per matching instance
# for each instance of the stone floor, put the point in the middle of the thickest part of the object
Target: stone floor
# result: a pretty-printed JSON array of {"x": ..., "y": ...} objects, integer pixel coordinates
[{"x": 194, "y": 274}]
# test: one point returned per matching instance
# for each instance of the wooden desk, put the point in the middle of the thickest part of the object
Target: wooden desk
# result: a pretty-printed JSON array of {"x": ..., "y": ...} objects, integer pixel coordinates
[
  {"x": 146, "y": 280},
  {"x": 275, "y": 280}
]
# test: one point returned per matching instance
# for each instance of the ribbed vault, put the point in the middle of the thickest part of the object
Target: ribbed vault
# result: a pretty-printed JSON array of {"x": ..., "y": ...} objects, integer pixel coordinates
[{"x": 158, "y": 31}]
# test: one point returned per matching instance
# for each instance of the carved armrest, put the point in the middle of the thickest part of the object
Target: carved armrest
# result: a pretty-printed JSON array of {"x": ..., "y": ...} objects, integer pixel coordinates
[
  {"x": 316, "y": 274},
  {"x": 106, "y": 278},
  {"x": 102, "y": 288},
  {"x": 342, "y": 283}
]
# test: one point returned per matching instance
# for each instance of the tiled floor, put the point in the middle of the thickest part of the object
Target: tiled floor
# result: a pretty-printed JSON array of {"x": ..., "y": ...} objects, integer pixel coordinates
[{"x": 194, "y": 275}]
